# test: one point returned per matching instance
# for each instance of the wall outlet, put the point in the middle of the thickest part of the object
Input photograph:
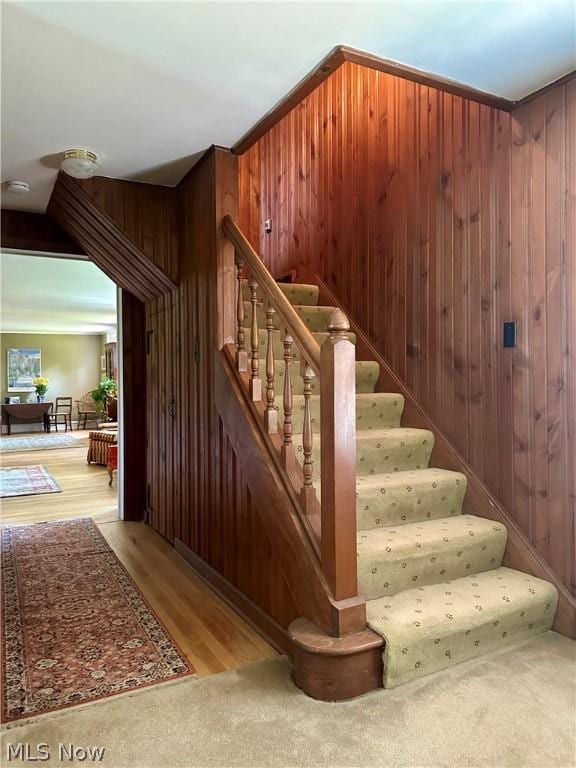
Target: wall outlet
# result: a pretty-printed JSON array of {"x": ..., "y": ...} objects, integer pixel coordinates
[{"x": 268, "y": 226}]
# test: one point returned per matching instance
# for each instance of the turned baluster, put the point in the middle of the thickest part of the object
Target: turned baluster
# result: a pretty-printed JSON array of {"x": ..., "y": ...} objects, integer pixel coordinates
[
  {"x": 287, "y": 450},
  {"x": 308, "y": 492},
  {"x": 255, "y": 381},
  {"x": 271, "y": 414},
  {"x": 241, "y": 356}
]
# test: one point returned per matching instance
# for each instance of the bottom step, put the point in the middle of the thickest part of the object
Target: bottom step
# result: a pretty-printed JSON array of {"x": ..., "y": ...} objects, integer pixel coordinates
[{"x": 430, "y": 628}]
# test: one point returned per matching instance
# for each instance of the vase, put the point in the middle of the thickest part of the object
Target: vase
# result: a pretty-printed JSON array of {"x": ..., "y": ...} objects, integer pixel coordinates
[{"x": 41, "y": 398}]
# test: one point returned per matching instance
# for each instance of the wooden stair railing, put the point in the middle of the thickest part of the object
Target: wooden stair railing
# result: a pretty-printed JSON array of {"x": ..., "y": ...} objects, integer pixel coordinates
[{"x": 333, "y": 365}]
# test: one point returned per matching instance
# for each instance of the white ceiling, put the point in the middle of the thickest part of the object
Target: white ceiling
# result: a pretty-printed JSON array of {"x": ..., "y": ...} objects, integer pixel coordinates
[
  {"x": 150, "y": 84},
  {"x": 48, "y": 295}
]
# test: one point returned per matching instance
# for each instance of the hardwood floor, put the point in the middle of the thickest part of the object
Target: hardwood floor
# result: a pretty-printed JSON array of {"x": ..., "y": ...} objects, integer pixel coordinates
[
  {"x": 85, "y": 491},
  {"x": 212, "y": 636}
]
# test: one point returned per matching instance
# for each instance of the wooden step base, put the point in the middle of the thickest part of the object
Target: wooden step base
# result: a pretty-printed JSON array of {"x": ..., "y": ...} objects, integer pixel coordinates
[{"x": 335, "y": 668}]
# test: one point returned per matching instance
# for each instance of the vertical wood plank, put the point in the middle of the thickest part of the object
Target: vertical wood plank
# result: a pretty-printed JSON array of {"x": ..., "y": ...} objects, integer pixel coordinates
[{"x": 437, "y": 220}]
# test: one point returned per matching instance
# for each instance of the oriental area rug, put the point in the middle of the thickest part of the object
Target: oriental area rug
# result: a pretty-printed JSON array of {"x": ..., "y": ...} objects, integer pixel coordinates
[
  {"x": 40, "y": 442},
  {"x": 76, "y": 628},
  {"x": 26, "y": 481}
]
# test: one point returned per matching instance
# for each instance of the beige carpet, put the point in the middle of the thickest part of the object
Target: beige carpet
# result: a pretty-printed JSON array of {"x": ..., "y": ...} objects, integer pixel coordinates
[{"x": 512, "y": 708}]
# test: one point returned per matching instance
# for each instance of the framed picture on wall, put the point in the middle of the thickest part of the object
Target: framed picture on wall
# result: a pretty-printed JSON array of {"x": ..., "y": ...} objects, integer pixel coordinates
[{"x": 24, "y": 365}]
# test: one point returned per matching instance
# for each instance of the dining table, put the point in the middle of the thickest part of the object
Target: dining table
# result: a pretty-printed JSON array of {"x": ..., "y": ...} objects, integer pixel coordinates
[{"x": 25, "y": 412}]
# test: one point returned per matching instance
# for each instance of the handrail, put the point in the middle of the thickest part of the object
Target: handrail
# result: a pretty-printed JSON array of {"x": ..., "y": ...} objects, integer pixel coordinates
[
  {"x": 333, "y": 363},
  {"x": 302, "y": 337}
]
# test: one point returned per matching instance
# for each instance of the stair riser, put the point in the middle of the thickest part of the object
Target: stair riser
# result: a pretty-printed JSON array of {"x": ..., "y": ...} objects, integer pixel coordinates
[
  {"x": 380, "y": 412},
  {"x": 315, "y": 318},
  {"x": 278, "y": 345},
  {"x": 409, "y": 503},
  {"x": 387, "y": 412},
  {"x": 385, "y": 573},
  {"x": 297, "y": 438},
  {"x": 392, "y": 454},
  {"x": 366, "y": 377},
  {"x": 296, "y": 293}
]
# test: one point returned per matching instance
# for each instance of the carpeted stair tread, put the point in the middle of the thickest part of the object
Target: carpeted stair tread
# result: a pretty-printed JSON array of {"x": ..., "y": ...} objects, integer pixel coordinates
[
  {"x": 392, "y": 450},
  {"x": 367, "y": 373},
  {"x": 374, "y": 410},
  {"x": 296, "y": 293},
  {"x": 429, "y": 628},
  {"x": 396, "y": 498},
  {"x": 315, "y": 318},
  {"x": 278, "y": 344},
  {"x": 417, "y": 554}
]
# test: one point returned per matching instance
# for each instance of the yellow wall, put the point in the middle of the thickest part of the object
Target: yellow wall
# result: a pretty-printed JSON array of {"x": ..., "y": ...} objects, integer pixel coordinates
[{"x": 70, "y": 361}]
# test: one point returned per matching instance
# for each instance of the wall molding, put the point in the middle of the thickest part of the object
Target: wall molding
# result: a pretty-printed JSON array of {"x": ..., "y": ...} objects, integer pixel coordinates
[
  {"x": 25, "y": 231},
  {"x": 390, "y": 67},
  {"x": 545, "y": 89}
]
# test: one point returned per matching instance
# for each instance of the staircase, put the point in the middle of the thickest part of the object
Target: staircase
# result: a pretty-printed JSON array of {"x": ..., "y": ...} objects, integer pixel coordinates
[{"x": 432, "y": 576}]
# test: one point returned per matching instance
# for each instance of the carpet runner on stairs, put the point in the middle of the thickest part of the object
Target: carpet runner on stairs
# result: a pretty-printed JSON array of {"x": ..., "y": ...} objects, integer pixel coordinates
[{"x": 432, "y": 575}]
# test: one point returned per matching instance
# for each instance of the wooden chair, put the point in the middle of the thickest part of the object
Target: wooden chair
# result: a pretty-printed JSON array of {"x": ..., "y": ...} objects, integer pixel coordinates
[
  {"x": 87, "y": 411},
  {"x": 112, "y": 462},
  {"x": 62, "y": 414}
]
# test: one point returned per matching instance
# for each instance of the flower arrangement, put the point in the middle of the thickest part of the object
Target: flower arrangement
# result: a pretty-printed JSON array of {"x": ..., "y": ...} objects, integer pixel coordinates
[{"x": 41, "y": 384}]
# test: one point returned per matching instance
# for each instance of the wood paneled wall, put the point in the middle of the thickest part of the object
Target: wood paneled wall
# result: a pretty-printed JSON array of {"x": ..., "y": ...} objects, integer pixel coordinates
[
  {"x": 145, "y": 213},
  {"x": 127, "y": 229},
  {"x": 35, "y": 232},
  {"x": 540, "y": 406},
  {"x": 198, "y": 494},
  {"x": 434, "y": 219}
]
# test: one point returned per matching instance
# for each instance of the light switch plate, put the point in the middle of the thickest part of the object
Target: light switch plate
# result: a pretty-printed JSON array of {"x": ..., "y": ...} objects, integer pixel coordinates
[{"x": 510, "y": 334}]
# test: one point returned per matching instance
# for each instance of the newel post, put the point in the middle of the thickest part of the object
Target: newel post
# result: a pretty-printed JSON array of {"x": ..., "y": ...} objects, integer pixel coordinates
[{"x": 338, "y": 458}]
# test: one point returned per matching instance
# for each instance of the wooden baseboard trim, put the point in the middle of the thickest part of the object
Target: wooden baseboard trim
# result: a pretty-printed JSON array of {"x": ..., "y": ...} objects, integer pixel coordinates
[
  {"x": 520, "y": 553},
  {"x": 273, "y": 633}
]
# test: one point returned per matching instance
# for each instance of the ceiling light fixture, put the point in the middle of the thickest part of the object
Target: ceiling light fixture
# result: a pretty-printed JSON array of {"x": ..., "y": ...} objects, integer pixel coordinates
[
  {"x": 80, "y": 163},
  {"x": 17, "y": 187}
]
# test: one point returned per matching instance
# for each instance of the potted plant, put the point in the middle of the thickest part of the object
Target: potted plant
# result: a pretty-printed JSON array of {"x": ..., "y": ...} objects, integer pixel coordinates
[
  {"x": 41, "y": 384},
  {"x": 104, "y": 393}
]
